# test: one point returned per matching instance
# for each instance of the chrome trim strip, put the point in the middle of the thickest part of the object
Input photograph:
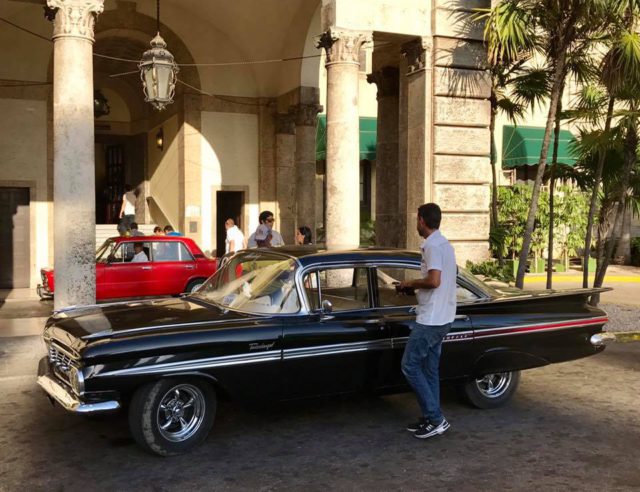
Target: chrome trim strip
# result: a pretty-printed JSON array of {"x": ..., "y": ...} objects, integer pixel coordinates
[
  {"x": 529, "y": 332},
  {"x": 570, "y": 323},
  {"x": 70, "y": 402},
  {"x": 339, "y": 348},
  {"x": 226, "y": 360}
]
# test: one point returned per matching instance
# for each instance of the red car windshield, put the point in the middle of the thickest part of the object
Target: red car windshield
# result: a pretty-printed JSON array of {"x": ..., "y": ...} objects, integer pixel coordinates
[{"x": 103, "y": 252}]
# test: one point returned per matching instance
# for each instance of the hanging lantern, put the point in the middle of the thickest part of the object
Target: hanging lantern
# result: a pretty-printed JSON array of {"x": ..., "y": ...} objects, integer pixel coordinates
[
  {"x": 158, "y": 71},
  {"x": 100, "y": 104}
]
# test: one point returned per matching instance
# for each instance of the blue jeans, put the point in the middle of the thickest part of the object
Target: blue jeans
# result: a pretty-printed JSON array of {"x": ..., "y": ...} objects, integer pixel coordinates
[{"x": 421, "y": 364}]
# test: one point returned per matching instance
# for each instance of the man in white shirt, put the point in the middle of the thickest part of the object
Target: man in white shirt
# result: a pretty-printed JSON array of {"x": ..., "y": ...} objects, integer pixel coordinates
[
  {"x": 235, "y": 238},
  {"x": 436, "y": 294},
  {"x": 140, "y": 256}
]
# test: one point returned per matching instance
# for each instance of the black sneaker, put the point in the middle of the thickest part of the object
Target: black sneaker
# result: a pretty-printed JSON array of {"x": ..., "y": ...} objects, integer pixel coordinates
[
  {"x": 417, "y": 425},
  {"x": 430, "y": 430}
]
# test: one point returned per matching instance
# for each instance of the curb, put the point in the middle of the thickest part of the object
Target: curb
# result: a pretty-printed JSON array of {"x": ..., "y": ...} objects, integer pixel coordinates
[{"x": 626, "y": 336}]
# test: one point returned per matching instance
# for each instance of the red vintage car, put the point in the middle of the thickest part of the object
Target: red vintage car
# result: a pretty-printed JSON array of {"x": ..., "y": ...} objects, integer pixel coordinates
[{"x": 175, "y": 265}]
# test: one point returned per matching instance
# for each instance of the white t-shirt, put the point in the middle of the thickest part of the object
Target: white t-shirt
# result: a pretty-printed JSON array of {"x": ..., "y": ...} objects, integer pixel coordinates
[
  {"x": 140, "y": 257},
  {"x": 234, "y": 234},
  {"x": 129, "y": 203},
  {"x": 437, "y": 306}
]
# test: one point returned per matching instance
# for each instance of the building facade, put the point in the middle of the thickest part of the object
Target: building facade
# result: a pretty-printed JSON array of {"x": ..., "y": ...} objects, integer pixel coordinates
[{"x": 255, "y": 78}]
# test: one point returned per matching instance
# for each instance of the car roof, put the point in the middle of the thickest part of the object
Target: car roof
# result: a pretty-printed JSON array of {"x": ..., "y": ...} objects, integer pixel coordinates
[
  {"x": 310, "y": 255},
  {"x": 140, "y": 239}
]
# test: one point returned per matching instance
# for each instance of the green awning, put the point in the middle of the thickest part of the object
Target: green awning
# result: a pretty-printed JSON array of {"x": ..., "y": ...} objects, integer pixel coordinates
[
  {"x": 368, "y": 129},
  {"x": 521, "y": 146}
]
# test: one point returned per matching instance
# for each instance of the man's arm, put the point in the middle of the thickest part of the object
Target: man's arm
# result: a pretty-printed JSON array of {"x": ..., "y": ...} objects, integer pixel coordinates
[{"x": 431, "y": 281}]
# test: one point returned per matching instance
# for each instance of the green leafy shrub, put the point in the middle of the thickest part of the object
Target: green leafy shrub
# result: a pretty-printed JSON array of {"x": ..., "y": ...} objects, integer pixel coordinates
[{"x": 491, "y": 270}]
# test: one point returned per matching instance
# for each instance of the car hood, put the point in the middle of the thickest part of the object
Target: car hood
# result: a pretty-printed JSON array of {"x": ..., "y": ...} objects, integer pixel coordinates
[{"x": 134, "y": 318}]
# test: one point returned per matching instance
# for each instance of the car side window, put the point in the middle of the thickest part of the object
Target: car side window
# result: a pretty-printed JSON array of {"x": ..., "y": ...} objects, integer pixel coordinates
[
  {"x": 170, "y": 251},
  {"x": 121, "y": 253},
  {"x": 464, "y": 295},
  {"x": 346, "y": 288},
  {"x": 388, "y": 278}
]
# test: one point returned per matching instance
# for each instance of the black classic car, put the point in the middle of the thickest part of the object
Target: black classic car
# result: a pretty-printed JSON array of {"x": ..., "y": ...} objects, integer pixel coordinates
[{"x": 296, "y": 323}]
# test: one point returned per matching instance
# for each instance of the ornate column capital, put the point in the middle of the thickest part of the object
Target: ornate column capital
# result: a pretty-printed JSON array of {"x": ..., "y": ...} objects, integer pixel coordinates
[
  {"x": 74, "y": 18},
  {"x": 419, "y": 54},
  {"x": 387, "y": 80},
  {"x": 343, "y": 46},
  {"x": 285, "y": 123},
  {"x": 306, "y": 114}
]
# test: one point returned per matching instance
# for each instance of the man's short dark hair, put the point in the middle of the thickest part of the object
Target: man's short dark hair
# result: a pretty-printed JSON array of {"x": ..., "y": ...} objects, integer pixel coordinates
[
  {"x": 157, "y": 229},
  {"x": 138, "y": 245},
  {"x": 134, "y": 225},
  {"x": 168, "y": 228},
  {"x": 431, "y": 215},
  {"x": 264, "y": 216}
]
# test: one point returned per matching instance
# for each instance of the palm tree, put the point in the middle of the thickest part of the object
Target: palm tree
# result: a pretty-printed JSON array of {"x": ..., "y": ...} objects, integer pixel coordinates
[
  {"x": 556, "y": 28},
  {"x": 514, "y": 86}
]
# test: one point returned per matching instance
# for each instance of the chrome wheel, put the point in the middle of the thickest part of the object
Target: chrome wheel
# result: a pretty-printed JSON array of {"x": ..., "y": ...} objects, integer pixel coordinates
[
  {"x": 181, "y": 412},
  {"x": 494, "y": 385}
]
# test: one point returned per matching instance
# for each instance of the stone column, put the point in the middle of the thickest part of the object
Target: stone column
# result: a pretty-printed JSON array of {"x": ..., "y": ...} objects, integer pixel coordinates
[
  {"x": 387, "y": 168},
  {"x": 285, "y": 176},
  {"x": 306, "y": 121},
  {"x": 73, "y": 150},
  {"x": 342, "y": 48},
  {"x": 190, "y": 167},
  {"x": 418, "y": 133}
]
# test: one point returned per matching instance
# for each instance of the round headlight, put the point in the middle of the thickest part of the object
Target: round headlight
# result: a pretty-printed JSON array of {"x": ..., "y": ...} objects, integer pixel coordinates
[{"x": 76, "y": 378}]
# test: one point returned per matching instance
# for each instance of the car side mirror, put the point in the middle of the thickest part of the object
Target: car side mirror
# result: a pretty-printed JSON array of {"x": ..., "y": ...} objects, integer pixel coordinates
[{"x": 327, "y": 307}]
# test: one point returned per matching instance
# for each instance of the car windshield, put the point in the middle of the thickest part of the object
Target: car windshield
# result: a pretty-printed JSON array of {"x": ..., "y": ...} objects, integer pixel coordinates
[
  {"x": 257, "y": 282},
  {"x": 104, "y": 251}
]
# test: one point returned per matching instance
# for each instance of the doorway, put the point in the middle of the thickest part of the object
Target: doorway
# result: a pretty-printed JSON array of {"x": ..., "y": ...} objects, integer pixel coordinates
[
  {"x": 14, "y": 240},
  {"x": 229, "y": 204}
]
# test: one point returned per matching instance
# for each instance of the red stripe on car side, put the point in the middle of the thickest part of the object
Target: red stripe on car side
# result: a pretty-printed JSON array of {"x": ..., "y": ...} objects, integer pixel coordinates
[{"x": 541, "y": 327}]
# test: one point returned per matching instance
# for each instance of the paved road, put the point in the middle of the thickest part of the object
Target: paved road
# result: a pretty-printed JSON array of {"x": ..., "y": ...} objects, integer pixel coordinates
[{"x": 572, "y": 426}]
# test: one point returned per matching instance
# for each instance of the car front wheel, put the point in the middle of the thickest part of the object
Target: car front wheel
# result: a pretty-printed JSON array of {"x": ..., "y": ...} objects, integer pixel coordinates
[
  {"x": 491, "y": 390},
  {"x": 194, "y": 285},
  {"x": 172, "y": 416}
]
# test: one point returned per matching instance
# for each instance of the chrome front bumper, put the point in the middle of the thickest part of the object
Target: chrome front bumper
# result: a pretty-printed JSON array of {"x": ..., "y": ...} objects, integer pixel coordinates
[{"x": 58, "y": 393}]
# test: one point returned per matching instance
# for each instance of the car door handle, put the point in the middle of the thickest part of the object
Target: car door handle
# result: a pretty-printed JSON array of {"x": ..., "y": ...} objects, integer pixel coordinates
[
  {"x": 462, "y": 317},
  {"x": 373, "y": 322},
  {"x": 189, "y": 267},
  {"x": 146, "y": 268}
]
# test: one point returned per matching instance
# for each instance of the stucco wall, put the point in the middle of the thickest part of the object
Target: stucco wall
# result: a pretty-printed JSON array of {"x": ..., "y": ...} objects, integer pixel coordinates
[
  {"x": 229, "y": 162},
  {"x": 164, "y": 182},
  {"x": 23, "y": 163}
]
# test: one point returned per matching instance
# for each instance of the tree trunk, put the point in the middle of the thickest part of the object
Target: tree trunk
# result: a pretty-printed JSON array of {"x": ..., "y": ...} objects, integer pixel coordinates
[
  {"x": 552, "y": 186},
  {"x": 594, "y": 200},
  {"x": 558, "y": 82},
  {"x": 623, "y": 248},
  {"x": 630, "y": 160},
  {"x": 494, "y": 175}
]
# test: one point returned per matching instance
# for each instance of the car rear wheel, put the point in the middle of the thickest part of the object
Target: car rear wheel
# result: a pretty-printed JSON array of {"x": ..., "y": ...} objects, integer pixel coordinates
[
  {"x": 172, "y": 416},
  {"x": 491, "y": 390},
  {"x": 194, "y": 285}
]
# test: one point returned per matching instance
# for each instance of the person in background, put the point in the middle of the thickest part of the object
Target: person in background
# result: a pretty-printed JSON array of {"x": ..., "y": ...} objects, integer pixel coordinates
[
  {"x": 303, "y": 235},
  {"x": 134, "y": 230},
  {"x": 168, "y": 230},
  {"x": 235, "y": 239},
  {"x": 127, "y": 210},
  {"x": 266, "y": 236},
  {"x": 157, "y": 231},
  {"x": 140, "y": 256}
]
